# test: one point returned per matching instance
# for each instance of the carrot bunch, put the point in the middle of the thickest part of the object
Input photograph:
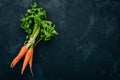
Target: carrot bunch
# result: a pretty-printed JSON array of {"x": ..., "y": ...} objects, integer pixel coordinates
[
  {"x": 38, "y": 28},
  {"x": 28, "y": 58}
]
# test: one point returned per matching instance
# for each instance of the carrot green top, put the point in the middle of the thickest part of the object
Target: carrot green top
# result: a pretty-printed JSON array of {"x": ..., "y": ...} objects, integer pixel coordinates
[{"x": 36, "y": 25}]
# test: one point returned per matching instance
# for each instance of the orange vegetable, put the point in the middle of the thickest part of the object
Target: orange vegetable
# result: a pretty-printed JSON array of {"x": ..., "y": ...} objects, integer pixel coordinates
[
  {"x": 27, "y": 59},
  {"x": 22, "y": 52},
  {"x": 30, "y": 62},
  {"x": 38, "y": 28}
]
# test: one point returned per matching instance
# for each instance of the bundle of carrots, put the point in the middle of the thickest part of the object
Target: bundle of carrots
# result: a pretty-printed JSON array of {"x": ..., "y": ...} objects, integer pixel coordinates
[{"x": 38, "y": 29}]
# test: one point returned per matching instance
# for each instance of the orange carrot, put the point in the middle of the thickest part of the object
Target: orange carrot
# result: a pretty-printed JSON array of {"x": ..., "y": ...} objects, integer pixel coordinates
[
  {"x": 26, "y": 60},
  {"x": 22, "y": 52},
  {"x": 30, "y": 62}
]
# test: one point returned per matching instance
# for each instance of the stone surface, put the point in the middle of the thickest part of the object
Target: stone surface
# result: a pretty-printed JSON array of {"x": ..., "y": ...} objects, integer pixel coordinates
[{"x": 87, "y": 47}]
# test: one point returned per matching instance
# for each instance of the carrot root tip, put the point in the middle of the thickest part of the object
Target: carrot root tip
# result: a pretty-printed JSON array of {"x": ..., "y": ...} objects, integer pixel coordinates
[{"x": 31, "y": 72}]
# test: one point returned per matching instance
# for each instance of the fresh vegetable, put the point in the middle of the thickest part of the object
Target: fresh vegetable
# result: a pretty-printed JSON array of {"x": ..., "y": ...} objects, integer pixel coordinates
[
  {"x": 38, "y": 28},
  {"x": 22, "y": 52},
  {"x": 26, "y": 60},
  {"x": 30, "y": 62}
]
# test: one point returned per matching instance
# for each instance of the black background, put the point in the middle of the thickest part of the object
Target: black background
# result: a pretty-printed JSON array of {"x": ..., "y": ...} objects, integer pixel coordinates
[{"x": 87, "y": 47}]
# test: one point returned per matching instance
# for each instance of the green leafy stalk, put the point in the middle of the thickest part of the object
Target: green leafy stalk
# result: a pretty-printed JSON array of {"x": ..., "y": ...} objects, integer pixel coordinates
[{"x": 37, "y": 26}]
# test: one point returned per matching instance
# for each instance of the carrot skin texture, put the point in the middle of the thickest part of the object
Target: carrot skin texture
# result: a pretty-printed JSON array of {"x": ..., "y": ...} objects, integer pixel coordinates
[
  {"x": 26, "y": 60},
  {"x": 22, "y": 52},
  {"x": 30, "y": 62},
  {"x": 31, "y": 59}
]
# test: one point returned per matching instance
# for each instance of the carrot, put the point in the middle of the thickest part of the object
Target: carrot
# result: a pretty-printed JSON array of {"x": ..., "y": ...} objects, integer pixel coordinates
[
  {"x": 22, "y": 52},
  {"x": 26, "y": 60},
  {"x": 30, "y": 62},
  {"x": 38, "y": 28}
]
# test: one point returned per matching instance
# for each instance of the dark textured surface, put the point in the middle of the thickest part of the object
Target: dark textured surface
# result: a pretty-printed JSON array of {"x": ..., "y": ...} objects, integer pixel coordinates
[{"x": 87, "y": 47}]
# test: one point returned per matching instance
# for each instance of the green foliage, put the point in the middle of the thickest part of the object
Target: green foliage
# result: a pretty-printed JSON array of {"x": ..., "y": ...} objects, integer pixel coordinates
[{"x": 36, "y": 15}]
